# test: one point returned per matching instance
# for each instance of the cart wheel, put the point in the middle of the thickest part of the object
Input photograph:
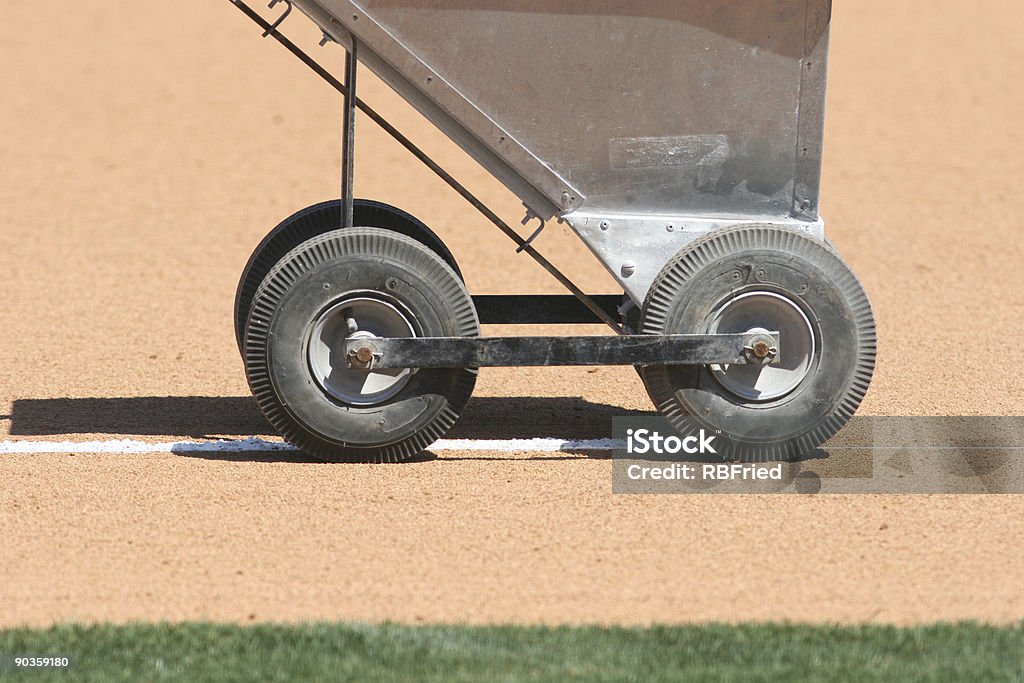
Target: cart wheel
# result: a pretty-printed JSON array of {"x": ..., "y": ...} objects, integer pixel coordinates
[
  {"x": 356, "y": 282},
  {"x": 316, "y": 220},
  {"x": 761, "y": 278}
]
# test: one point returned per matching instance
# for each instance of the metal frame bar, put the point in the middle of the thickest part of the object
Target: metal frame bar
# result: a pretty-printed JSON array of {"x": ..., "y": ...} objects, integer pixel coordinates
[
  {"x": 541, "y": 309},
  {"x": 422, "y": 156},
  {"x": 348, "y": 135},
  {"x": 811, "y": 116},
  {"x": 480, "y": 352}
]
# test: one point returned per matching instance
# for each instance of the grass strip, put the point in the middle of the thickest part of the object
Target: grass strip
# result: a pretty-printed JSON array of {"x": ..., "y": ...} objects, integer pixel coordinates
[{"x": 391, "y": 652}]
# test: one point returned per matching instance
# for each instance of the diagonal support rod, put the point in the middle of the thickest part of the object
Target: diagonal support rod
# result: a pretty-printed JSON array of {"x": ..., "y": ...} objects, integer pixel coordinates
[{"x": 586, "y": 300}]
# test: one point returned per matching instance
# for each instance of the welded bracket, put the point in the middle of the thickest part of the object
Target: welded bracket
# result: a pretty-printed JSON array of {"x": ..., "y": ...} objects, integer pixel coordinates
[
  {"x": 280, "y": 20},
  {"x": 530, "y": 215}
]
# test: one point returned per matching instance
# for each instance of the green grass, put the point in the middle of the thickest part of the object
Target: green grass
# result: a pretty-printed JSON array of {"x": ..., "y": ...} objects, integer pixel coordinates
[{"x": 331, "y": 652}]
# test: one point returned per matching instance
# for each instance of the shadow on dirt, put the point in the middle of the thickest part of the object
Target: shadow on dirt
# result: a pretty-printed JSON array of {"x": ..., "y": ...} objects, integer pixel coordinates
[
  {"x": 173, "y": 416},
  {"x": 208, "y": 417}
]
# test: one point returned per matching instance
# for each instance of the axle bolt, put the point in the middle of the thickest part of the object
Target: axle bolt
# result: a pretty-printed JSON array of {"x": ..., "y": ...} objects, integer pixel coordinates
[
  {"x": 364, "y": 354},
  {"x": 761, "y": 349}
]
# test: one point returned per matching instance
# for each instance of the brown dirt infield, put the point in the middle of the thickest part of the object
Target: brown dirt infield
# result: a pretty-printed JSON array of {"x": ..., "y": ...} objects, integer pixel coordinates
[{"x": 146, "y": 150}]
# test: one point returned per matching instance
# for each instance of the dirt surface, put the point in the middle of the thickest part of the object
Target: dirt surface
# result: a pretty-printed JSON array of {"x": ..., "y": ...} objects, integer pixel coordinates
[{"x": 147, "y": 149}]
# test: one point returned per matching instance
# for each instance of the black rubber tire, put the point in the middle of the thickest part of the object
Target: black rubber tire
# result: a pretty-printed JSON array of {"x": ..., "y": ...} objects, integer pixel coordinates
[
  {"x": 323, "y": 270},
  {"x": 728, "y": 263},
  {"x": 316, "y": 220}
]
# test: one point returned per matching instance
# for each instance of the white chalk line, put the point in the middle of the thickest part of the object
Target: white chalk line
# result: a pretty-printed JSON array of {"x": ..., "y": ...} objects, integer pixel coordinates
[{"x": 255, "y": 445}]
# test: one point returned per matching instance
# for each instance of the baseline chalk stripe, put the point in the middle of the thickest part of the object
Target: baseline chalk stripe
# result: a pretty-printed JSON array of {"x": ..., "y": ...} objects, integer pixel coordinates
[{"x": 254, "y": 445}]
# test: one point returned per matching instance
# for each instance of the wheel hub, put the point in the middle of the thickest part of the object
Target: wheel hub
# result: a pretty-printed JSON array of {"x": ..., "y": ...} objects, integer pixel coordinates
[
  {"x": 361, "y": 317},
  {"x": 766, "y": 377}
]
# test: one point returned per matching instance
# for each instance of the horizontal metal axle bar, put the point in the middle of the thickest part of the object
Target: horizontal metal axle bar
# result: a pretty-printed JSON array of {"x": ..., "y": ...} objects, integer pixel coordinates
[
  {"x": 542, "y": 309},
  {"x": 480, "y": 352}
]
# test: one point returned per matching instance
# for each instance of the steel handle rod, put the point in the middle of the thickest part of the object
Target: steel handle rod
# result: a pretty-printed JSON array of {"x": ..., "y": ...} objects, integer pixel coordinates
[
  {"x": 432, "y": 165},
  {"x": 348, "y": 138}
]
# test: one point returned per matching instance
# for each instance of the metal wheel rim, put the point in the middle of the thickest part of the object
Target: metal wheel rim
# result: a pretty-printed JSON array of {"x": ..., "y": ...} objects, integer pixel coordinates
[
  {"x": 325, "y": 350},
  {"x": 758, "y": 312}
]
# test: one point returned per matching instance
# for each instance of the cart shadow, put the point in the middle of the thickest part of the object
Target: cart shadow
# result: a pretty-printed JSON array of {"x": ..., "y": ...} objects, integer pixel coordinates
[
  {"x": 213, "y": 420},
  {"x": 210, "y": 418}
]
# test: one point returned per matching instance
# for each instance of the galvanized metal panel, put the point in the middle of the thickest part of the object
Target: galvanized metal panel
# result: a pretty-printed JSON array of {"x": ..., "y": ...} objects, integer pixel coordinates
[
  {"x": 645, "y": 113},
  {"x": 676, "y": 106}
]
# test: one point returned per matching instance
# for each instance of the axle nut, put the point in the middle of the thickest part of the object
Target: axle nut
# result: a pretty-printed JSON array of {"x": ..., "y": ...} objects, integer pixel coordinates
[
  {"x": 364, "y": 354},
  {"x": 761, "y": 349}
]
